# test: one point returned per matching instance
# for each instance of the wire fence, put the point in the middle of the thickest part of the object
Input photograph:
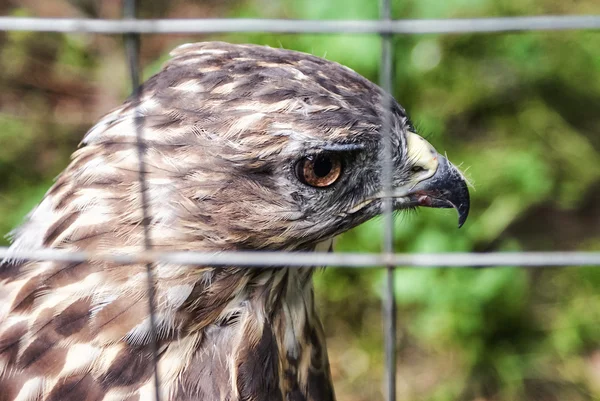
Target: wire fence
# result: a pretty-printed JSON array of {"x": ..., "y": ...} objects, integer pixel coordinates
[
  {"x": 217, "y": 25},
  {"x": 386, "y": 27}
]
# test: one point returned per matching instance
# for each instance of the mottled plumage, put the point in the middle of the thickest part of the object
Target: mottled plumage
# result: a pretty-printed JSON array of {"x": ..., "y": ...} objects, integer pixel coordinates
[{"x": 225, "y": 128}]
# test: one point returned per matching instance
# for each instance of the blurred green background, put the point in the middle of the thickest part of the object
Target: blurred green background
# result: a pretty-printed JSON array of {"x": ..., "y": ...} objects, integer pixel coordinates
[{"x": 520, "y": 112}]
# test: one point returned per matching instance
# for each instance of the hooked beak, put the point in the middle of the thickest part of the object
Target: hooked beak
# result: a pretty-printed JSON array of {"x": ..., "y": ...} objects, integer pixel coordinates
[
  {"x": 444, "y": 189},
  {"x": 438, "y": 183}
]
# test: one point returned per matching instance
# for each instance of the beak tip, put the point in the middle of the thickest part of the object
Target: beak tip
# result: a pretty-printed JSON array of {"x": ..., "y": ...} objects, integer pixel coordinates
[{"x": 463, "y": 213}]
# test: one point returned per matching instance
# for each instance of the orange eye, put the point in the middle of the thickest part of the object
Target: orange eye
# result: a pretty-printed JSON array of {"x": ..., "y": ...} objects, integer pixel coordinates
[{"x": 319, "y": 171}]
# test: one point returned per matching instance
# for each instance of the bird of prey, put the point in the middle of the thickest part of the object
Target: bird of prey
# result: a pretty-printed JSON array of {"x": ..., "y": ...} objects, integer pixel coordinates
[{"x": 246, "y": 148}]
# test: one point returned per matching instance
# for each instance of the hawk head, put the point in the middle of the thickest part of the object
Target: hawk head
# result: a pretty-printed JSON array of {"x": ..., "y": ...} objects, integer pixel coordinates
[
  {"x": 245, "y": 147},
  {"x": 250, "y": 147}
]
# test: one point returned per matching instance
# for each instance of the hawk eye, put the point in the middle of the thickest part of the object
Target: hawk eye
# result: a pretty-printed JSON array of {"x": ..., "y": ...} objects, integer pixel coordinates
[{"x": 320, "y": 171}]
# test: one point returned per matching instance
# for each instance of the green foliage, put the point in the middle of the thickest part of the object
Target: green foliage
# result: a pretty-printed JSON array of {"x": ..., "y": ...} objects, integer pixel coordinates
[{"x": 518, "y": 112}]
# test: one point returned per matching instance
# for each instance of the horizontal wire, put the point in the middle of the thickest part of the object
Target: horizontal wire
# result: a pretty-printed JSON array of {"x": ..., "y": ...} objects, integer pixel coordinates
[
  {"x": 407, "y": 26},
  {"x": 299, "y": 259}
]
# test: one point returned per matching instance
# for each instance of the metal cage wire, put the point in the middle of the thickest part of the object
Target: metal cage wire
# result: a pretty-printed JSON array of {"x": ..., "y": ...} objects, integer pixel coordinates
[{"x": 386, "y": 27}]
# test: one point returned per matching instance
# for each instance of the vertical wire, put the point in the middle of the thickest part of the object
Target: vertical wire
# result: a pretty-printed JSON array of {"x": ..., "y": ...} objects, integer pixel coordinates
[
  {"x": 132, "y": 48},
  {"x": 389, "y": 302}
]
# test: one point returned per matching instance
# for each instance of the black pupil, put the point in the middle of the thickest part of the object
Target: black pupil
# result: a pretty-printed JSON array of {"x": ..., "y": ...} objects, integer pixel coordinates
[{"x": 322, "y": 166}]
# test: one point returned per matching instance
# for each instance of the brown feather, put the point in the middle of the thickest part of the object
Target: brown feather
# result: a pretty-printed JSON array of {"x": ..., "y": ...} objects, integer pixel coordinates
[{"x": 223, "y": 126}]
